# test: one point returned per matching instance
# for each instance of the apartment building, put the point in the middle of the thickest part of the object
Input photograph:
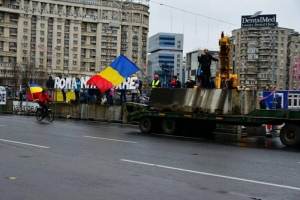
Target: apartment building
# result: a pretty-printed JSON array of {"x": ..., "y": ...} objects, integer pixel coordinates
[
  {"x": 294, "y": 61},
  {"x": 69, "y": 37},
  {"x": 260, "y": 56},
  {"x": 166, "y": 56}
]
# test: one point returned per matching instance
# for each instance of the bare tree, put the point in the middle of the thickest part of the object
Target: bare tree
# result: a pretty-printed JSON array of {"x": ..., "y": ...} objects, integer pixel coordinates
[
  {"x": 41, "y": 76},
  {"x": 15, "y": 75},
  {"x": 10, "y": 78},
  {"x": 27, "y": 74}
]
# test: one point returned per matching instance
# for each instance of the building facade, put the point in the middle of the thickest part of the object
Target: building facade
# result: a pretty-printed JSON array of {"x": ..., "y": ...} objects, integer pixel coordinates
[
  {"x": 69, "y": 37},
  {"x": 192, "y": 63},
  {"x": 294, "y": 61},
  {"x": 260, "y": 56},
  {"x": 166, "y": 56}
]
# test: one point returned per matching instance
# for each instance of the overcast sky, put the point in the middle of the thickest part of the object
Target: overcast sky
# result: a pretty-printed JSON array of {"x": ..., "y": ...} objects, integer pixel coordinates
[{"x": 201, "y": 32}]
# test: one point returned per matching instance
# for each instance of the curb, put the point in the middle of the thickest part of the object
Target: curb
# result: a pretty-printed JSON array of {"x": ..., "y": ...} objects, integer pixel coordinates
[
  {"x": 91, "y": 119},
  {"x": 114, "y": 121}
]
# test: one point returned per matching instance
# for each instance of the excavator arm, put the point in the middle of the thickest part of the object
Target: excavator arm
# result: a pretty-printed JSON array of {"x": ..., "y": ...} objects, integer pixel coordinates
[{"x": 225, "y": 79}]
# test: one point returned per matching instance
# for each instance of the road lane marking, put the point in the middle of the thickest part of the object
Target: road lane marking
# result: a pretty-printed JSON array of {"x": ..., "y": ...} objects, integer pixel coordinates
[
  {"x": 97, "y": 126},
  {"x": 109, "y": 139},
  {"x": 177, "y": 136},
  {"x": 34, "y": 145},
  {"x": 209, "y": 174}
]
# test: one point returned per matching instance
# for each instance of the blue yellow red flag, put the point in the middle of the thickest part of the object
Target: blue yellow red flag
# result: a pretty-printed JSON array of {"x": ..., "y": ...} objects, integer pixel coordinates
[
  {"x": 114, "y": 74},
  {"x": 35, "y": 90}
]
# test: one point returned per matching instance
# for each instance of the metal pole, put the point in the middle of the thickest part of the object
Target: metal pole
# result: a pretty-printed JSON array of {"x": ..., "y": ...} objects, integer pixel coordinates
[
  {"x": 87, "y": 103},
  {"x": 79, "y": 105},
  {"x": 55, "y": 93},
  {"x": 25, "y": 111},
  {"x": 113, "y": 100},
  {"x": 145, "y": 75}
]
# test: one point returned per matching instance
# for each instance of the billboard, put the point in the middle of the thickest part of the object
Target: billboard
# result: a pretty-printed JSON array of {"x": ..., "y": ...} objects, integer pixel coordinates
[{"x": 258, "y": 21}]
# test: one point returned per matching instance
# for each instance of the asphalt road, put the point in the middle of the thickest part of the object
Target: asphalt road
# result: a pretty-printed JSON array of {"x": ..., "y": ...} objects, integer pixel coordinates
[{"x": 69, "y": 159}]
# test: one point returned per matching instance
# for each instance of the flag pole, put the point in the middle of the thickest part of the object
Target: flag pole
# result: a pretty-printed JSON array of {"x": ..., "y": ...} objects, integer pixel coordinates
[
  {"x": 145, "y": 75},
  {"x": 30, "y": 93},
  {"x": 26, "y": 113}
]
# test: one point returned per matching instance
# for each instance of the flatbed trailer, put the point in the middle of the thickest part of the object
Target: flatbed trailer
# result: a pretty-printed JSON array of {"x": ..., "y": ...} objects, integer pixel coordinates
[{"x": 170, "y": 122}]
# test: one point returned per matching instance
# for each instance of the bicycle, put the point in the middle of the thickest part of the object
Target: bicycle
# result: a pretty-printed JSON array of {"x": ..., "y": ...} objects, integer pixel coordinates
[{"x": 40, "y": 114}]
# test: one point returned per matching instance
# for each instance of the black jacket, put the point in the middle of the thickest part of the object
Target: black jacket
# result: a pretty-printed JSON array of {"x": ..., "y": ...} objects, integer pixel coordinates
[
  {"x": 178, "y": 84},
  {"x": 50, "y": 83},
  {"x": 190, "y": 84},
  {"x": 205, "y": 60}
]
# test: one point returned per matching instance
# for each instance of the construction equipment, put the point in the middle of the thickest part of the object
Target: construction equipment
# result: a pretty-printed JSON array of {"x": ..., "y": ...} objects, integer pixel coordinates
[
  {"x": 187, "y": 110},
  {"x": 225, "y": 79}
]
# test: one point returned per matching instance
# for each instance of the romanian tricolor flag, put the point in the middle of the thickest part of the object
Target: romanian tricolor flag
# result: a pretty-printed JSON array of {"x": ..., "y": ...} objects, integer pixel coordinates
[
  {"x": 35, "y": 90},
  {"x": 113, "y": 75}
]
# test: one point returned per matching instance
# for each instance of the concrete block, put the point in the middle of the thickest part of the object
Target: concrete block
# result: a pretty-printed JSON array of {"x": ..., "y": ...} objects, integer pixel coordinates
[{"x": 213, "y": 101}]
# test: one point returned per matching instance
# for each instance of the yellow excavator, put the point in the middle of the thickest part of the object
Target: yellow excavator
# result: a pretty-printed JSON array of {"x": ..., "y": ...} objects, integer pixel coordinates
[{"x": 225, "y": 80}]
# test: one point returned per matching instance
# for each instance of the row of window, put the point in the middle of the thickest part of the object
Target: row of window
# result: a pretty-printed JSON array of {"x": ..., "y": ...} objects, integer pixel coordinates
[
  {"x": 49, "y": 61},
  {"x": 74, "y": 49}
]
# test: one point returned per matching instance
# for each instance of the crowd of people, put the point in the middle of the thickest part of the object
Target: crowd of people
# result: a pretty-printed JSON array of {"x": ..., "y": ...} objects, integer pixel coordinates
[
  {"x": 94, "y": 95},
  {"x": 137, "y": 95},
  {"x": 203, "y": 75}
]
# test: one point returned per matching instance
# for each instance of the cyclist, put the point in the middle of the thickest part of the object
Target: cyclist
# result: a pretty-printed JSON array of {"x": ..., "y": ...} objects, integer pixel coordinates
[{"x": 43, "y": 101}]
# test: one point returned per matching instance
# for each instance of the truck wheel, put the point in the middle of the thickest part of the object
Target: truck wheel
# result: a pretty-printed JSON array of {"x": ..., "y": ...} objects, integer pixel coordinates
[
  {"x": 145, "y": 125},
  {"x": 169, "y": 126},
  {"x": 290, "y": 135}
]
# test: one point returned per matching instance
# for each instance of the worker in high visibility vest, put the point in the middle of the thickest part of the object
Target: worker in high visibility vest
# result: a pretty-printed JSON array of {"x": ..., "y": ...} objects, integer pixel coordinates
[{"x": 155, "y": 82}]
